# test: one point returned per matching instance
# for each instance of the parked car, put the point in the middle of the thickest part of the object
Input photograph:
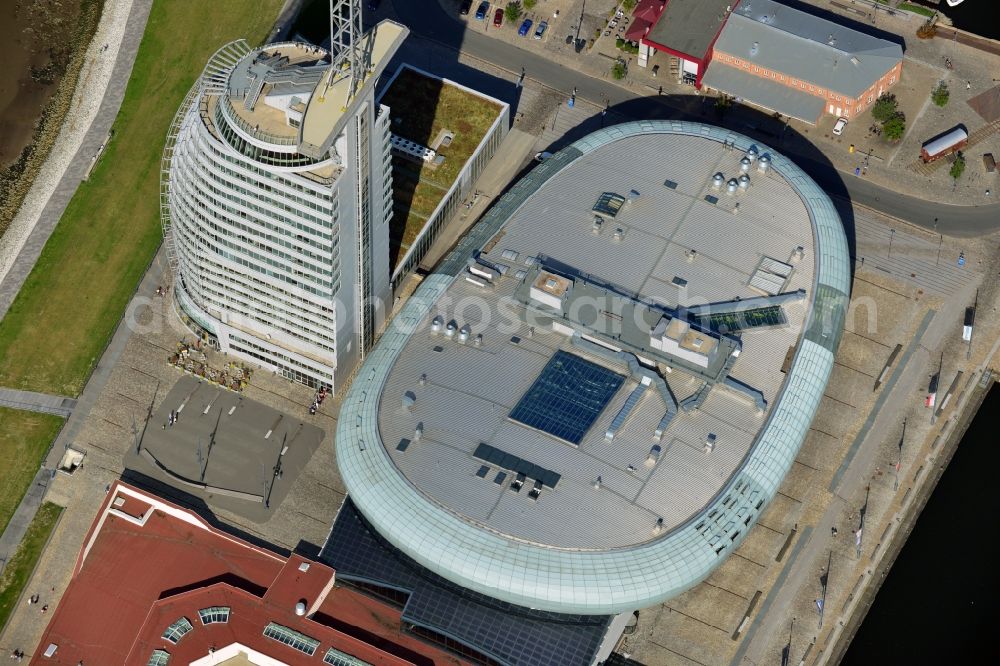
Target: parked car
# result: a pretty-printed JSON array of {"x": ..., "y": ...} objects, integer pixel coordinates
[
  {"x": 525, "y": 27},
  {"x": 540, "y": 30},
  {"x": 542, "y": 156},
  {"x": 464, "y": 8},
  {"x": 481, "y": 12},
  {"x": 838, "y": 129},
  {"x": 498, "y": 17}
]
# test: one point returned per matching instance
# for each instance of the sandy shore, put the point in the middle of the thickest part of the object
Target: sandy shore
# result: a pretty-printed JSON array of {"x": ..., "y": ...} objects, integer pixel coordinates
[{"x": 94, "y": 79}]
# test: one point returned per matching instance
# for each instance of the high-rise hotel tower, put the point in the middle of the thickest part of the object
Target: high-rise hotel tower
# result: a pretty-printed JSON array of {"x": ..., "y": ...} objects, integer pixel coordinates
[{"x": 276, "y": 196}]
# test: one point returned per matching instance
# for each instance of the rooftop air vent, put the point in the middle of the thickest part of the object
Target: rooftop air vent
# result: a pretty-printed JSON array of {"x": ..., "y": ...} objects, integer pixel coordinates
[
  {"x": 619, "y": 234},
  {"x": 450, "y": 330},
  {"x": 764, "y": 163},
  {"x": 744, "y": 182},
  {"x": 418, "y": 432},
  {"x": 754, "y": 48},
  {"x": 745, "y": 163},
  {"x": 709, "y": 443},
  {"x": 300, "y": 608},
  {"x": 597, "y": 483},
  {"x": 798, "y": 253},
  {"x": 437, "y": 323},
  {"x": 463, "y": 334},
  {"x": 752, "y": 153},
  {"x": 423, "y": 379},
  {"x": 598, "y": 223},
  {"x": 658, "y": 526},
  {"x": 731, "y": 187},
  {"x": 654, "y": 455},
  {"x": 408, "y": 399},
  {"x": 717, "y": 180},
  {"x": 479, "y": 340},
  {"x": 692, "y": 255}
]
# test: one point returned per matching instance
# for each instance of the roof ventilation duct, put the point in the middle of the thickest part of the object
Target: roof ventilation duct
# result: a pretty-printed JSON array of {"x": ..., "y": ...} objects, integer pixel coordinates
[
  {"x": 744, "y": 182},
  {"x": 463, "y": 334},
  {"x": 745, "y": 164},
  {"x": 731, "y": 187},
  {"x": 764, "y": 163},
  {"x": 717, "y": 180},
  {"x": 450, "y": 331},
  {"x": 437, "y": 323}
]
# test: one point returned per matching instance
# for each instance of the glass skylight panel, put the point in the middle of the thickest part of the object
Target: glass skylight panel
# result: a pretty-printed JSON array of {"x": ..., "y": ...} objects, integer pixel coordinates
[
  {"x": 214, "y": 615},
  {"x": 176, "y": 631},
  {"x": 567, "y": 397},
  {"x": 335, "y": 657},
  {"x": 291, "y": 638},
  {"x": 159, "y": 658},
  {"x": 609, "y": 204}
]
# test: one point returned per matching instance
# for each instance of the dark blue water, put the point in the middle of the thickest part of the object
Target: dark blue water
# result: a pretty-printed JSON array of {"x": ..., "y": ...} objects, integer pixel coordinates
[
  {"x": 980, "y": 17},
  {"x": 940, "y": 603}
]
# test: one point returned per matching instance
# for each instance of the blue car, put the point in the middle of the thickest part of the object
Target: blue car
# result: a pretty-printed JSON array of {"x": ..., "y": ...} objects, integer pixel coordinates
[
  {"x": 481, "y": 12},
  {"x": 525, "y": 28}
]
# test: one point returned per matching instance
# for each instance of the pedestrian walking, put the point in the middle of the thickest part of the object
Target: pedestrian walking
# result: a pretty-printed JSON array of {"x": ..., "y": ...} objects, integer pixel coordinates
[
  {"x": 45, "y": 609},
  {"x": 968, "y": 85}
]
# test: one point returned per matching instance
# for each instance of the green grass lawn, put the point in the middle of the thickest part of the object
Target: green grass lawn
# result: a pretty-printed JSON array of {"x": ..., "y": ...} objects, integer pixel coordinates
[
  {"x": 917, "y": 9},
  {"x": 71, "y": 302},
  {"x": 18, "y": 570},
  {"x": 24, "y": 439},
  {"x": 442, "y": 107}
]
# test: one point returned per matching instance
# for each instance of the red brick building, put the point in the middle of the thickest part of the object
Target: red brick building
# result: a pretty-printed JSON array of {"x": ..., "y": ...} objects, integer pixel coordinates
[
  {"x": 155, "y": 584},
  {"x": 776, "y": 57}
]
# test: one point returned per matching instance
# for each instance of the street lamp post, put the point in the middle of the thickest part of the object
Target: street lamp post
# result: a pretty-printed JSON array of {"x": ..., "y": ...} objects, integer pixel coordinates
[
  {"x": 861, "y": 526},
  {"x": 899, "y": 457},
  {"x": 824, "y": 581}
]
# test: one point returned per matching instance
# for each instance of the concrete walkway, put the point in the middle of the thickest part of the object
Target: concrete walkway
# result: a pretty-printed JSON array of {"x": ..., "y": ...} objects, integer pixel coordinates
[
  {"x": 77, "y": 168},
  {"x": 30, "y": 401}
]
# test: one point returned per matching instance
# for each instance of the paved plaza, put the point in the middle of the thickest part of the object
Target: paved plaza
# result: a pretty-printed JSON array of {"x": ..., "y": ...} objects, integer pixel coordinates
[{"x": 234, "y": 453}]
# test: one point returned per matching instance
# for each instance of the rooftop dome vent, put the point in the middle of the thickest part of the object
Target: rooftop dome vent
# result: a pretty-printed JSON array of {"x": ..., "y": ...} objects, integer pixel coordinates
[
  {"x": 764, "y": 163},
  {"x": 479, "y": 340},
  {"x": 437, "y": 323},
  {"x": 744, "y": 182},
  {"x": 752, "y": 153},
  {"x": 745, "y": 163},
  {"x": 300, "y": 608},
  {"x": 597, "y": 483},
  {"x": 732, "y": 185},
  {"x": 658, "y": 527},
  {"x": 463, "y": 334},
  {"x": 409, "y": 398},
  {"x": 717, "y": 180},
  {"x": 450, "y": 331}
]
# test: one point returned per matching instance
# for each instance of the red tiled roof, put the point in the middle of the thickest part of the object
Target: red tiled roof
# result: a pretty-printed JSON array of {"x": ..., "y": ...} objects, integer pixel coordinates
[
  {"x": 637, "y": 30},
  {"x": 649, "y": 10},
  {"x": 147, "y": 563}
]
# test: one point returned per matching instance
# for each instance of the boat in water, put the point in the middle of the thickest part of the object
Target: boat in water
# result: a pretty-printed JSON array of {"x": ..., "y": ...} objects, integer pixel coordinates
[{"x": 954, "y": 3}]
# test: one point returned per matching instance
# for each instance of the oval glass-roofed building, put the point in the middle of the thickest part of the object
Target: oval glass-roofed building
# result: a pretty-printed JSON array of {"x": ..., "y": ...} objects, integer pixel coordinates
[{"x": 587, "y": 406}]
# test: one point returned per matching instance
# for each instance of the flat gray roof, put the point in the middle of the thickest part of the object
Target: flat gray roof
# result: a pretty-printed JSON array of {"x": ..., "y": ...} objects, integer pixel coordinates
[
  {"x": 689, "y": 26},
  {"x": 460, "y": 395},
  {"x": 763, "y": 92},
  {"x": 806, "y": 47}
]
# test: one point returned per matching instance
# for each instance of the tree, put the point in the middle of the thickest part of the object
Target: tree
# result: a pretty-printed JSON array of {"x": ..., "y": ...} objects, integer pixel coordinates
[
  {"x": 927, "y": 30},
  {"x": 894, "y": 127},
  {"x": 940, "y": 94},
  {"x": 530, "y": 4},
  {"x": 513, "y": 11},
  {"x": 618, "y": 70},
  {"x": 628, "y": 5},
  {"x": 722, "y": 104},
  {"x": 884, "y": 107},
  {"x": 957, "y": 167}
]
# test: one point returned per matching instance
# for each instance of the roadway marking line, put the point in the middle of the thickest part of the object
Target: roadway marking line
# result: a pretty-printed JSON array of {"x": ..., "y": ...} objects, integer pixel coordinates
[{"x": 886, "y": 390}]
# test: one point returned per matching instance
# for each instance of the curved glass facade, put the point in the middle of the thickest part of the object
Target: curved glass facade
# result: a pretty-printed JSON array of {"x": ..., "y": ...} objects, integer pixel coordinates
[
  {"x": 614, "y": 580},
  {"x": 266, "y": 239}
]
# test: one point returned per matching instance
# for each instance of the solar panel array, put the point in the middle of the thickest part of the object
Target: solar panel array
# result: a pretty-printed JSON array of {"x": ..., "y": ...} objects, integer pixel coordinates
[
  {"x": 503, "y": 460},
  {"x": 568, "y": 396},
  {"x": 741, "y": 320}
]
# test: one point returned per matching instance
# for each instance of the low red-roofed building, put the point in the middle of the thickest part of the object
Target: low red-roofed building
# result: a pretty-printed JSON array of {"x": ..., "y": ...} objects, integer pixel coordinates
[{"x": 156, "y": 584}]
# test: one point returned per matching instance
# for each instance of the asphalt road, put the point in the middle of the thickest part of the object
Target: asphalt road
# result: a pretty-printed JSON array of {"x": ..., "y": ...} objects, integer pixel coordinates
[{"x": 426, "y": 19}]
